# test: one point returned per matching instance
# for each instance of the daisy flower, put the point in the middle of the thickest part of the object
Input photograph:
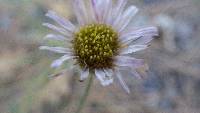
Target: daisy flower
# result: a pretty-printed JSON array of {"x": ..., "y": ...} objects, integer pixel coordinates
[{"x": 102, "y": 42}]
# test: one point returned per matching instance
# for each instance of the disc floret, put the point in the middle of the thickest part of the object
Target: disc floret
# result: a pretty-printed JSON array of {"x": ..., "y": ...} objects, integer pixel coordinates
[{"x": 95, "y": 45}]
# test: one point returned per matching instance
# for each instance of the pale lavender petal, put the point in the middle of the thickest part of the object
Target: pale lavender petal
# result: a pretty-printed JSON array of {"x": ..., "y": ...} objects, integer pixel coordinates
[
  {"x": 59, "y": 62},
  {"x": 148, "y": 36},
  {"x": 128, "y": 39},
  {"x": 133, "y": 72},
  {"x": 153, "y": 31},
  {"x": 56, "y": 49},
  {"x": 61, "y": 21},
  {"x": 109, "y": 17},
  {"x": 80, "y": 12},
  {"x": 58, "y": 29},
  {"x": 126, "y": 17},
  {"x": 132, "y": 49},
  {"x": 118, "y": 9},
  {"x": 98, "y": 6},
  {"x": 56, "y": 37},
  {"x": 128, "y": 61},
  {"x": 143, "y": 40},
  {"x": 84, "y": 73},
  {"x": 141, "y": 34},
  {"x": 118, "y": 74},
  {"x": 78, "y": 16},
  {"x": 92, "y": 13},
  {"x": 107, "y": 10},
  {"x": 94, "y": 7},
  {"x": 57, "y": 74},
  {"x": 136, "y": 74}
]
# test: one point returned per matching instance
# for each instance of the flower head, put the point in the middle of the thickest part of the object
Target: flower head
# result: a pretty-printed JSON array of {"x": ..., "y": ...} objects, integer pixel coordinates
[{"x": 102, "y": 41}]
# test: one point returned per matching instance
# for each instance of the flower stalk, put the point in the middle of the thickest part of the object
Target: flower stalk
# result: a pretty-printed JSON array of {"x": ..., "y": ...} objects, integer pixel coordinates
[{"x": 85, "y": 95}]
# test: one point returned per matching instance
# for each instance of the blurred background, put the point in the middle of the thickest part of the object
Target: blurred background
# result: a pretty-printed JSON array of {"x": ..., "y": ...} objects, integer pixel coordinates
[{"x": 171, "y": 81}]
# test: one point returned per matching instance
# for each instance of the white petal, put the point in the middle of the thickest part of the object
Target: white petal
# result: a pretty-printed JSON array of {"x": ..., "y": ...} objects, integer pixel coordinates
[
  {"x": 128, "y": 61},
  {"x": 61, "y": 21},
  {"x": 56, "y": 37},
  {"x": 118, "y": 74},
  {"x": 58, "y": 29},
  {"x": 84, "y": 73},
  {"x": 59, "y": 62},
  {"x": 126, "y": 17},
  {"x": 56, "y": 49},
  {"x": 80, "y": 12},
  {"x": 133, "y": 48}
]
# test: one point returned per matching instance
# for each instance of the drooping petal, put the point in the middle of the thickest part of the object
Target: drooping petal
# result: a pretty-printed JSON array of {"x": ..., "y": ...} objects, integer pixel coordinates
[
  {"x": 108, "y": 72},
  {"x": 132, "y": 49},
  {"x": 105, "y": 81},
  {"x": 126, "y": 17},
  {"x": 61, "y": 21},
  {"x": 145, "y": 34},
  {"x": 58, "y": 29},
  {"x": 128, "y": 61},
  {"x": 56, "y": 49},
  {"x": 84, "y": 73},
  {"x": 59, "y": 62},
  {"x": 80, "y": 12},
  {"x": 100, "y": 75},
  {"x": 119, "y": 76}
]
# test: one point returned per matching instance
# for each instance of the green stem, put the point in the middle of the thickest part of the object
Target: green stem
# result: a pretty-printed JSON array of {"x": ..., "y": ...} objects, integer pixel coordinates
[{"x": 85, "y": 95}]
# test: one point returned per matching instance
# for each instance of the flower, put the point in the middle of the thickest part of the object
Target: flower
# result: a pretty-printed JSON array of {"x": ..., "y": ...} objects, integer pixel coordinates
[{"x": 102, "y": 41}]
